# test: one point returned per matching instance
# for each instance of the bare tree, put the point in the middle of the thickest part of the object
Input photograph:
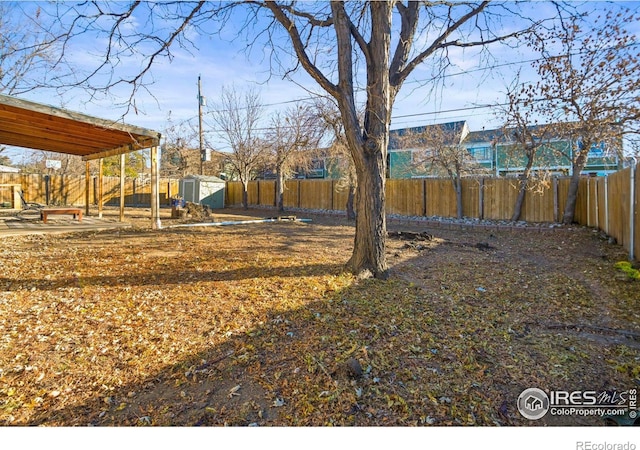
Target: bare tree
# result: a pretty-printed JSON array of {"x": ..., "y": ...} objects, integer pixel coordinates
[
  {"x": 351, "y": 50},
  {"x": 4, "y": 159},
  {"x": 175, "y": 157},
  {"x": 527, "y": 138},
  {"x": 364, "y": 33},
  {"x": 135, "y": 165},
  {"x": 589, "y": 86},
  {"x": 178, "y": 157},
  {"x": 438, "y": 149},
  {"x": 238, "y": 118},
  {"x": 68, "y": 164},
  {"x": 293, "y": 142},
  {"x": 27, "y": 51},
  {"x": 337, "y": 154}
]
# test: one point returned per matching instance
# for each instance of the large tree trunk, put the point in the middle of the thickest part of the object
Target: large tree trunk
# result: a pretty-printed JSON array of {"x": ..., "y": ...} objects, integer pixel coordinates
[
  {"x": 279, "y": 189},
  {"x": 517, "y": 208},
  {"x": 572, "y": 195},
  {"x": 367, "y": 144},
  {"x": 245, "y": 194},
  {"x": 369, "y": 257},
  {"x": 524, "y": 182},
  {"x": 351, "y": 213},
  {"x": 458, "y": 186}
]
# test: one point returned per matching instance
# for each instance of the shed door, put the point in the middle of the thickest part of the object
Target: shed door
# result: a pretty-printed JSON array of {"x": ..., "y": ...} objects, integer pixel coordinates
[{"x": 189, "y": 191}]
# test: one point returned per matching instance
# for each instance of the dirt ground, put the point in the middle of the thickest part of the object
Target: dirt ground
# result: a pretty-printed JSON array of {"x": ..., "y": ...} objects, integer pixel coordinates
[{"x": 259, "y": 325}]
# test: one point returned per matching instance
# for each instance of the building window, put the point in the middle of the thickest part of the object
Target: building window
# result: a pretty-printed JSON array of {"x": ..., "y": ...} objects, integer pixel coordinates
[{"x": 481, "y": 153}]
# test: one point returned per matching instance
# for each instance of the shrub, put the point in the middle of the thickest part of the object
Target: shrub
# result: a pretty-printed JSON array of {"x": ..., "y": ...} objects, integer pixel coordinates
[{"x": 627, "y": 267}]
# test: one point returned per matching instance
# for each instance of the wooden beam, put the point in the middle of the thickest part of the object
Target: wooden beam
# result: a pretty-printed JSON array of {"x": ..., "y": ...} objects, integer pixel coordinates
[
  {"x": 74, "y": 116},
  {"x": 87, "y": 188},
  {"x": 100, "y": 197},
  {"x": 55, "y": 129},
  {"x": 122, "y": 187},
  {"x": 155, "y": 189},
  {"x": 128, "y": 148},
  {"x": 36, "y": 126}
]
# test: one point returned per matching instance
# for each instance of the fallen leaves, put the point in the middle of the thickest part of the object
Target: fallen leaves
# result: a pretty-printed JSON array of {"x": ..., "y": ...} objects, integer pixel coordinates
[{"x": 259, "y": 325}]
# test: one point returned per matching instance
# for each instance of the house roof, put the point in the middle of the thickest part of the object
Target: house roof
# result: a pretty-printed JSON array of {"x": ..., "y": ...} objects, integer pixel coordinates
[
  {"x": 9, "y": 169},
  {"x": 506, "y": 135},
  {"x": 453, "y": 133},
  {"x": 484, "y": 136},
  {"x": 37, "y": 126}
]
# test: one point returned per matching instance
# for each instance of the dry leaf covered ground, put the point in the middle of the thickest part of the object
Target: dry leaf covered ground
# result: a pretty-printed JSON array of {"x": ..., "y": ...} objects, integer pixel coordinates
[{"x": 258, "y": 325}]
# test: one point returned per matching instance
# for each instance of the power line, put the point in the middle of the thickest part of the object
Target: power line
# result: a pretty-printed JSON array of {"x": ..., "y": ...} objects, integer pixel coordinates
[
  {"x": 423, "y": 81},
  {"x": 426, "y": 80}
]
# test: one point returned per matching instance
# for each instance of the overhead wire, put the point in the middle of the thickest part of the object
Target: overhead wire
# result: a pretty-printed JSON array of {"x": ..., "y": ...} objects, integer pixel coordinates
[{"x": 421, "y": 81}]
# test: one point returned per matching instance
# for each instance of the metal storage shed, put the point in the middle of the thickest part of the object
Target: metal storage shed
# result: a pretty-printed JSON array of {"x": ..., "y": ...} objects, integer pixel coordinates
[{"x": 206, "y": 190}]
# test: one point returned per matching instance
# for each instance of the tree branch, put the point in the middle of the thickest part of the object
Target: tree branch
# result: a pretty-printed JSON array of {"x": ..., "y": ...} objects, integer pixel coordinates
[
  {"x": 439, "y": 43},
  {"x": 279, "y": 13},
  {"x": 310, "y": 17},
  {"x": 409, "y": 17}
]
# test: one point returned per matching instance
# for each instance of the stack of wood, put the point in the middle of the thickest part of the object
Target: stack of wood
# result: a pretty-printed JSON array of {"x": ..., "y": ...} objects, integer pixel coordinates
[{"x": 197, "y": 211}]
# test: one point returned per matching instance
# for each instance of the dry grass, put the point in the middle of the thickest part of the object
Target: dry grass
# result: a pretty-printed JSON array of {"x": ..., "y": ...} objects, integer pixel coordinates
[{"x": 256, "y": 324}]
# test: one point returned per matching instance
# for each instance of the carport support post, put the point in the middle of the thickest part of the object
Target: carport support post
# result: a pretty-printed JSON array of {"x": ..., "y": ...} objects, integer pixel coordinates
[
  {"x": 87, "y": 188},
  {"x": 122, "y": 187},
  {"x": 155, "y": 190},
  {"x": 100, "y": 188}
]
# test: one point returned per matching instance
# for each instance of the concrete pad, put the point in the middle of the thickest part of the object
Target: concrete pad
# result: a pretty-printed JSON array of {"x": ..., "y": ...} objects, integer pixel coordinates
[{"x": 13, "y": 226}]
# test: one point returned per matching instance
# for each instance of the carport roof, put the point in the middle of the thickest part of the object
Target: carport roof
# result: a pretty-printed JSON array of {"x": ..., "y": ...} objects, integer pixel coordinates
[{"x": 37, "y": 126}]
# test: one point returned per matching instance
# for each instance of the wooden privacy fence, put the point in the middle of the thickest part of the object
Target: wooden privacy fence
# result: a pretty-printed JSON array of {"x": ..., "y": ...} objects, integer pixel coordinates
[
  {"x": 482, "y": 198},
  {"x": 310, "y": 194},
  {"x": 611, "y": 205},
  {"x": 70, "y": 190},
  {"x": 607, "y": 203}
]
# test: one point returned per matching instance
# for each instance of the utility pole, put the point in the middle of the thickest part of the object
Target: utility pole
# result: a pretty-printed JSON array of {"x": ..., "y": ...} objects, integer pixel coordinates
[{"x": 201, "y": 102}]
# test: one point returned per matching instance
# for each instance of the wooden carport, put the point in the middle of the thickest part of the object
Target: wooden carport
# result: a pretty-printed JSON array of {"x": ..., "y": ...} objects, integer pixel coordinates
[{"x": 37, "y": 126}]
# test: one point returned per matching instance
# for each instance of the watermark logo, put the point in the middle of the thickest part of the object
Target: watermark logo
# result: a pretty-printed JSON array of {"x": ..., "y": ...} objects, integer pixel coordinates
[{"x": 533, "y": 403}]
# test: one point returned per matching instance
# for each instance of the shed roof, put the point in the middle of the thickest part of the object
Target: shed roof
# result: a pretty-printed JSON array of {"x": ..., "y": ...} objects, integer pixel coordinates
[
  {"x": 32, "y": 125},
  {"x": 205, "y": 178}
]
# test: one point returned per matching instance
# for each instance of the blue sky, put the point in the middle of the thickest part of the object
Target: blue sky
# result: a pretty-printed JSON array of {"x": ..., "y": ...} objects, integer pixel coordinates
[{"x": 223, "y": 61}]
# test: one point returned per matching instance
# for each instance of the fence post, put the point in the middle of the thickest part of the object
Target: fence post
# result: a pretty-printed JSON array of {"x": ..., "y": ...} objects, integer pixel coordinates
[
  {"x": 481, "y": 199},
  {"x": 424, "y": 197},
  {"x": 555, "y": 199},
  {"x": 597, "y": 207},
  {"x": 606, "y": 203},
  {"x": 632, "y": 209},
  {"x": 135, "y": 192},
  {"x": 589, "y": 201},
  {"x": 333, "y": 195}
]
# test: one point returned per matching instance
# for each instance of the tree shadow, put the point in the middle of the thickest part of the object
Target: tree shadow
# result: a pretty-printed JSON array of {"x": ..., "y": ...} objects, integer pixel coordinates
[
  {"x": 248, "y": 379},
  {"x": 438, "y": 352},
  {"x": 179, "y": 277}
]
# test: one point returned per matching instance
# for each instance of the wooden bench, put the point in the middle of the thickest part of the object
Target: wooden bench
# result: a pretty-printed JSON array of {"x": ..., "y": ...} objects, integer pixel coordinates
[{"x": 48, "y": 211}]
